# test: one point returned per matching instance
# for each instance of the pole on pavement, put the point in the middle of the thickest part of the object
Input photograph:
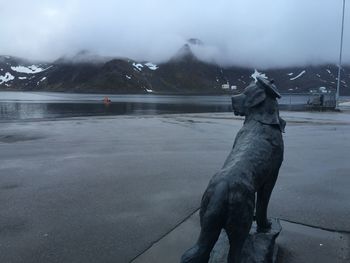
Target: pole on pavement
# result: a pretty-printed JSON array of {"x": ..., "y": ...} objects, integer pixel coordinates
[{"x": 340, "y": 59}]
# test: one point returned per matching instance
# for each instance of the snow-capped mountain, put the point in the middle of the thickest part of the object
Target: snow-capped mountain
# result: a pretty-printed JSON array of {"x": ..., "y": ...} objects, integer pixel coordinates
[
  {"x": 184, "y": 73},
  {"x": 16, "y": 72}
]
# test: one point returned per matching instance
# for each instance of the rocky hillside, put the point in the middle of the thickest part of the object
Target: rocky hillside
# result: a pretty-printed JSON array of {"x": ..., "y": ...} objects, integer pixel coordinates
[{"x": 182, "y": 74}]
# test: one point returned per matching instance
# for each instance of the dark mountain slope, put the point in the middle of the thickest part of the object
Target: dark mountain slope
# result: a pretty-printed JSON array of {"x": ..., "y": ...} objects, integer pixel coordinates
[{"x": 182, "y": 74}]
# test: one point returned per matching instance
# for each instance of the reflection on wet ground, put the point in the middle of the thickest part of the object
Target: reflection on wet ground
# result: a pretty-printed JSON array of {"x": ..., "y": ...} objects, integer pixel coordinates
[
  {"x": 20, "y": 111},
  {"x": 11, "y": 138}
]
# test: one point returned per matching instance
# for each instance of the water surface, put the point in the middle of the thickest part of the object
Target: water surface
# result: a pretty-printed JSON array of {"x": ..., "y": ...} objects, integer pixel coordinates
[{"x": 42, "y": 105}]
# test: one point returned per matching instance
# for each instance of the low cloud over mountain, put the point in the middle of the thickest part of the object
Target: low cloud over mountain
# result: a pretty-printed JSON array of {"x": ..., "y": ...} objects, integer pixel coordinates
[{"x": 256, "y": 33}]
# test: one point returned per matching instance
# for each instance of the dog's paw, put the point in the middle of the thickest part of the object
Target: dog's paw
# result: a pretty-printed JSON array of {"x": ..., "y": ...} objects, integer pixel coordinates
[{"x": 264, "y": 228}]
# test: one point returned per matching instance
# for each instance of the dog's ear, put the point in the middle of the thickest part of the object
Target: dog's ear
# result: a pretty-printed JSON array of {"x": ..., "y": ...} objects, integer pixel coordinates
[
  {"x": 270, "y": 115},
  {"x": 256, "y": 96}
]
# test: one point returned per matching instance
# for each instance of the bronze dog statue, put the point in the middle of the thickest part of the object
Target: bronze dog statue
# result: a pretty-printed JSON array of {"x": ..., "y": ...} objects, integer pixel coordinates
[{"x": 250, "y": 170}]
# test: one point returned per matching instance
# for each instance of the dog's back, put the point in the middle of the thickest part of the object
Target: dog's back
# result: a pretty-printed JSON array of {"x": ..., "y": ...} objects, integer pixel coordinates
[{"x": 257, "y": 152}]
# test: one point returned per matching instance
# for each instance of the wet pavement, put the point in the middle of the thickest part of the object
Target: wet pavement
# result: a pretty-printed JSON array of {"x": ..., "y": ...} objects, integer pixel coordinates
[{"x": 104, "y": 189}]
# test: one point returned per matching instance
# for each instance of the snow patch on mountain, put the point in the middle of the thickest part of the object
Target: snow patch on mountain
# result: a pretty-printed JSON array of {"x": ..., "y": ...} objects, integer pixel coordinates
[
  {"x": 299, "y": 75},
  {"x": 138, "y": 66},
  {"x": 7, "y": 77},
  {"x": 151, "y": 66},
  {"x": 29, "y": 69}
]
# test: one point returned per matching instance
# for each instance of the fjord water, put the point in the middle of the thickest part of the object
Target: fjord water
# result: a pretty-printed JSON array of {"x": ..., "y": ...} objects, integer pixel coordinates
[
  {"x": 42, "y": 105},
  {"x": 24, "y": 105}
]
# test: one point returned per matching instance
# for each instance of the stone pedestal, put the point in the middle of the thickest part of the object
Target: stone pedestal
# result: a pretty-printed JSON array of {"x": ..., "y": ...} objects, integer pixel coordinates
[{"x": 258, "y": 248}]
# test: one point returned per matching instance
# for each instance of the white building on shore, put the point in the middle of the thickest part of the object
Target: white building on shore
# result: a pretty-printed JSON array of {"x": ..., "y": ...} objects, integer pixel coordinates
[{"x": 228, "y": 87}]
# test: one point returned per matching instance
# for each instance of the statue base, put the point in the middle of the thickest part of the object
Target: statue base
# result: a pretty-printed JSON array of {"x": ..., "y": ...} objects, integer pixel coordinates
[{"x": 258, "y": 248}]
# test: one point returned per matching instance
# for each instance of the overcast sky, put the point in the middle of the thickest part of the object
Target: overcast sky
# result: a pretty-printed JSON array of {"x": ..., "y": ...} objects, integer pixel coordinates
[{"x": 259, "y": 33}]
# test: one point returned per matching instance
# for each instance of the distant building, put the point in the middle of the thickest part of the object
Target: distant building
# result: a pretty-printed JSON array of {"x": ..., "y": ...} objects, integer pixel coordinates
[
  {"x": 323, "y": 90},
  {"x": 233, "y": 87},
  {"x": 226, "y": 86},
  {"x": 320, "y": 90}
]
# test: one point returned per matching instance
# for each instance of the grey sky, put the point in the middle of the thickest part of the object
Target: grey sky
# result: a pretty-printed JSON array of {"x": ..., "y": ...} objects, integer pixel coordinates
[{"x": 261, "y": 33}]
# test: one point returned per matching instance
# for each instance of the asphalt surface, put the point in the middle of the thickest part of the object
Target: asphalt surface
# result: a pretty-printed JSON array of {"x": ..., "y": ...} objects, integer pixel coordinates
[{"x": 105, "y": 189}]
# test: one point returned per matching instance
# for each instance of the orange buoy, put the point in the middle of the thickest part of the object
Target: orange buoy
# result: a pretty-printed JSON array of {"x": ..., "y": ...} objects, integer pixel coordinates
[{"x": 106, "y": 100}]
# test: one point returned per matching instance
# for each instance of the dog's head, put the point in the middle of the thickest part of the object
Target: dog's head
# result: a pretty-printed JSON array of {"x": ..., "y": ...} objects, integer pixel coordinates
[{"x": 258, "y": 102}]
